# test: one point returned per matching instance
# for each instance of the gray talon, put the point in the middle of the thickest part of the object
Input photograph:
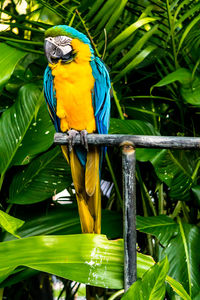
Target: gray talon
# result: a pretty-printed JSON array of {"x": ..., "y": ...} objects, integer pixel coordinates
[
  {"x": 72, "y": 135},
  {"x": 83, "y": 136}
]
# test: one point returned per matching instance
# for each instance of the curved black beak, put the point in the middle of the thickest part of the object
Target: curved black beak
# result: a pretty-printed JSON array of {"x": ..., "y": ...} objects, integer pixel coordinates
[{"x": 49, "y": 49}]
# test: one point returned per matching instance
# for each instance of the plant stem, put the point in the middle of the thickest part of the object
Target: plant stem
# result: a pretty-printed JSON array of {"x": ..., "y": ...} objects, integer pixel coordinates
[
  {"x": 194, "y": 175},
  {"x": 72, "y": 19},
  {"x": 149, "y": 239},
  {"x": 115, "y": 295},
  {"x": 149, "y": 97},
  {"x": 171, "y": 25},
  {"x": 2, "y": 179},
  {"x": 1, "y": 293},
  {"x": 21, "y": 41},
  {"x": 176, "y": 210},
  {"x": 145, "y": 191},
  {"x": 160, "y": 200},
  {"x": 117, "y": 103},
  {"x": 185, "y": 212},
  {"x": 25, "y": 49},
  {"x": 88, "y": 33},
  {"x": 9, "y": 208},
  {"x": 114, "y": 180},
  {"x": 104, "y": 51},
  {"x": 107, "y": 158},
  {"x": 186, "y": 254}
]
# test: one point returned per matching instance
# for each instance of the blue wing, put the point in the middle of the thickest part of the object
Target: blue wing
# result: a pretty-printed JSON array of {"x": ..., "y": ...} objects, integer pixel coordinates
[
  {"x": 50, "y": 97},
  {"x": 101, "y": 95}
]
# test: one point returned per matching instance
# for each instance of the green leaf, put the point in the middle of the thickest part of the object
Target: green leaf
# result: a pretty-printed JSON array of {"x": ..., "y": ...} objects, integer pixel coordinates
[
  {"x": 178, "y": 288},
  {"x": 115, "y": 15},
  {"x": 191, "y": 92},
  {"x": 9, "y": 57},
  {"x": 104, "y": 13},
  {"x": 130, "y": 30},
  {"x": 183, "y": 254},
  {"x": 183, "y": 75},
  {"x": 86, "y": 258},
  {"x": 180, "y": 243},
  {"x": 172, "y": 168},
  {"x": 190, "y": 87},
  {"x": 137, "y": 47},
  {"x": 96, "y": 5},
  {"x": 22, "y": 274},
  {"x": 9, "y": 223},
  {"x": 196, "y": 193},
  {"x": 135, "y": 127},
  {"x": 197, "y": 297},
  {"x": 65, "y": 220},
  {"x": 136, "y": 61},
  {"x": 152, "y": 284},
  {"x": 163, "y": 227},
  {"x": 38, "y": 138},
  {"x": 14, "y": 124},
  {"x": 187, "y": 30},
  {"x": 189, "y": 12},
  {"x": 41, "y": 178}
]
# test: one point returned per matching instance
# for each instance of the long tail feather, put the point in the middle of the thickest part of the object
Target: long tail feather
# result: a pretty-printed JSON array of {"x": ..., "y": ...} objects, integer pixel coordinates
[
  {"x": 88, "y": 194},
  {"x": 65, "y": 152},
  {"x": 92, "y": 170}
]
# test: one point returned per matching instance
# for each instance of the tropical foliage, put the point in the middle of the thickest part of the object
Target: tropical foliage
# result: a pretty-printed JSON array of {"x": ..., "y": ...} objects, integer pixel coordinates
[{"x": 152, "y": 51}]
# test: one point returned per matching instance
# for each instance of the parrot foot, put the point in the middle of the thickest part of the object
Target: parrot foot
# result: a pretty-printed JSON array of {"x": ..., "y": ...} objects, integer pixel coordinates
[
  {"x": 72, "y": 135},
  {"x": 83, "y": 136}
]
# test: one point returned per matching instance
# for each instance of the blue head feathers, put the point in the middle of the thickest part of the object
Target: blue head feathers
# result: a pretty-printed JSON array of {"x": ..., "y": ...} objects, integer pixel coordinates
[{"x": 70, "y": 32}]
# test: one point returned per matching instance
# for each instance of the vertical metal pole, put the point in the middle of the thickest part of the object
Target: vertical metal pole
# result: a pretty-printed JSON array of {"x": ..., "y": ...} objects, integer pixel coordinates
[{"x": 129, "y": 214}]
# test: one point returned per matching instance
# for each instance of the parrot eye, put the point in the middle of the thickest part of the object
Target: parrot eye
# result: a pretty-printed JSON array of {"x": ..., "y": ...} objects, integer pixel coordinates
[{"x": 58, "y": 52}]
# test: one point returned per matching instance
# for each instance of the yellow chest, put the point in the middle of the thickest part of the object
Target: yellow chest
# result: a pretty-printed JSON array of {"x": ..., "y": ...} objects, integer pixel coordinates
[{"x": 73, "y": 83}]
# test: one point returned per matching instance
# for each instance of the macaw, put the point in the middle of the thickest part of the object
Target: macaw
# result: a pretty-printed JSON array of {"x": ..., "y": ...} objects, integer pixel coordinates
[{"x": 77, "y": 92}]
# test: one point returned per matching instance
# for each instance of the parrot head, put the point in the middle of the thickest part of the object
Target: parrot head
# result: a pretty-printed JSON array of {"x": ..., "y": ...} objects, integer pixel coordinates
[
  {"x": 58, "y": 43},
  {"x": 57, "y": 48}
]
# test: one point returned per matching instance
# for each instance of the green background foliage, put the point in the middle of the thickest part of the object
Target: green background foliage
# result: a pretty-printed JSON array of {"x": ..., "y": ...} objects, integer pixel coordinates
[{"x": 151, "y": 49}]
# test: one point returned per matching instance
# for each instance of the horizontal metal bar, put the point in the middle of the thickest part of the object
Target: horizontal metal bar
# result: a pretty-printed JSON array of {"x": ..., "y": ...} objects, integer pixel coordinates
[{"x": 138, "y": 141}]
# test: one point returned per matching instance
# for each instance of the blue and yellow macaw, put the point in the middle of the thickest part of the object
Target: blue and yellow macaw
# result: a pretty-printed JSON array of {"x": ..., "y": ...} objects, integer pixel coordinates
[{"x": 77, "y": 92}]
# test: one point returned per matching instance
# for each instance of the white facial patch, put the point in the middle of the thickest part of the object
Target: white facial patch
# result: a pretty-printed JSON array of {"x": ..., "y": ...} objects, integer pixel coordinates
[
  {"x": 61, "y": 41},
  {"x": 65, "y": 49}
]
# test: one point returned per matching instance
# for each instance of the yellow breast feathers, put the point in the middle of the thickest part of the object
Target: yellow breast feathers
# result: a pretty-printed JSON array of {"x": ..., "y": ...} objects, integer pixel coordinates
[{"x": 73, "y": 83}]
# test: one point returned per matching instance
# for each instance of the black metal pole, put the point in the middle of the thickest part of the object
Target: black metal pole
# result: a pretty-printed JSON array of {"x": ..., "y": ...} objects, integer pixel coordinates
[
  {"x": 129, "y": 214},
  {"x": 140, "y": 141}
]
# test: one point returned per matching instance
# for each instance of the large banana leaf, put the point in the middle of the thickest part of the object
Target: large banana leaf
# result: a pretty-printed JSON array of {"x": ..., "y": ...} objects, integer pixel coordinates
[
  {"x": 64, "y": 220},
  {"x": 9, "y": 57},
  {"x": 88, "y": 258},
  {"x": 171, "y": 168},
  {"x": 180, "y": 242},
  {"x": 164, "y": 228},
  {"x": 152, "y": 285},
  {"x": 45, "y": 175},
  {"x": 38, "y": 138},
  {"x": 190, "y": 85},
  {"x": 14, "y": 124}
]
